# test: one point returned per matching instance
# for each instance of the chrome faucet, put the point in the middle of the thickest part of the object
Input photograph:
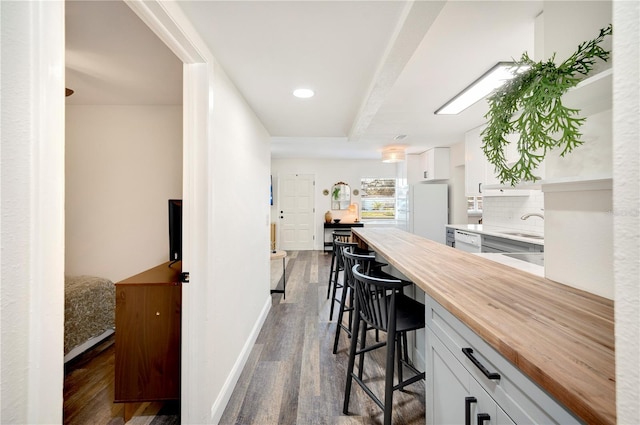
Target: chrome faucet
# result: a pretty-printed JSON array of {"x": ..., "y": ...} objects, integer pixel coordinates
[{"x": 526, "y": 216}]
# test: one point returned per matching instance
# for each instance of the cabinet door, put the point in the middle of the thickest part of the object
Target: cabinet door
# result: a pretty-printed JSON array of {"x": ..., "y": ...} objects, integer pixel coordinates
[
  {"x": 431, "y": 165},
  {"x": 436, "y": 164},
  {"x": 503, "y": 418},
  {"x": 474, "y": 162},
  {"x": 484, "y": 410},
  {"x": 147, "y": 365},
  {"x": 448, "y": 384}
]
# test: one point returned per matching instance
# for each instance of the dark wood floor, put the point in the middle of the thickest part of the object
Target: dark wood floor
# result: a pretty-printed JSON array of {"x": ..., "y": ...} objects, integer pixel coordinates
[
  {"x": 89, "y": 394},
  {"x": 291, "y": 376}
]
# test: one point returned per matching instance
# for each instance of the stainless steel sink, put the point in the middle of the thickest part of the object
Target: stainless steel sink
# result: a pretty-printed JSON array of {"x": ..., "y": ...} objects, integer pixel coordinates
[
  {"x": 524, "y": 235},
  {"x": 536, "y": 258}
]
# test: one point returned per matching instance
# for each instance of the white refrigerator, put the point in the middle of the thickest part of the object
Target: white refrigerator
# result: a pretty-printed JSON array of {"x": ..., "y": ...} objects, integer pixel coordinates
[{"x": 429, "y": 210}]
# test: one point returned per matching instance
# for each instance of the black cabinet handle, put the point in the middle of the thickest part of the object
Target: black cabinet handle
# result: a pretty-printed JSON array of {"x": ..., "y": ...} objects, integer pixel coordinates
[
  {"x": 467, "y": 409},
  {"x": 469, "y": 353},
  {"x": 479, "y": 187},
  {"x": 482, "y": 417}
]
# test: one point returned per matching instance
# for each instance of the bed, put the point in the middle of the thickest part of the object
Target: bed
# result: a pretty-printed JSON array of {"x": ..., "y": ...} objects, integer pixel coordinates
[{"x": 89, "y": 313}]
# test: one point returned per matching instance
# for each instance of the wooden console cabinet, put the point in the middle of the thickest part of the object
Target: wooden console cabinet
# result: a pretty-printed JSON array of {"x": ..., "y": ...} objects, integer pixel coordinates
[{"x": 148, "y": 319}]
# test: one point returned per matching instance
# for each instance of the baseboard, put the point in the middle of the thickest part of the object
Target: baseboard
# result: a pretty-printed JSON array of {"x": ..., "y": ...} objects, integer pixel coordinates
[
  {"x": 217, "y": 409},
  {"x": 87, "y": 344}
]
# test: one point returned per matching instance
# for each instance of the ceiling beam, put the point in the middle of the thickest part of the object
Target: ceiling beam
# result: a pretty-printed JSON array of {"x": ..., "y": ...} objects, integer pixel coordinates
[{"x": 416, "y": 19}]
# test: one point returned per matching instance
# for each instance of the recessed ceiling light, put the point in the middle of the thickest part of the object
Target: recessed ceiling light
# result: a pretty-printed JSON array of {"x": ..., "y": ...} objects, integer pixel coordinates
[{"x": 303, "y": 93}]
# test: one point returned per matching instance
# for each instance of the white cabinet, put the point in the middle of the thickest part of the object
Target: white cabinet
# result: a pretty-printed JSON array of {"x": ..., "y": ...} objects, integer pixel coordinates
[
  {"x": 475, "y": 163},
  {"x": 430, "y": 165},
  {"x": 457, "y": 397},
  {"x": 480, "y": 173},
  {"x": 482, "y": 409},
  {"x": 480, "y": 387},
  {"x": 437, "y": 164}
]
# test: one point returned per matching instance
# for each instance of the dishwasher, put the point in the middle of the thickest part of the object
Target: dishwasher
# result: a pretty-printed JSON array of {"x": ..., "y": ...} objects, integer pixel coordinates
[{"x": 468, "y": 242}]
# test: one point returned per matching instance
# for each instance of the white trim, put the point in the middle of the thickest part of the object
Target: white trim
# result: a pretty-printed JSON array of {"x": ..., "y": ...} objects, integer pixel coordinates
[
  {"x": 232, "y": 379},
  {"x": 170, "y": 25},
  {"x": 573, "y": 185},
  {"x": 46, "y": 274},
  {"x": 168, "y": 22},
  {"x": 196, "y": 193}
]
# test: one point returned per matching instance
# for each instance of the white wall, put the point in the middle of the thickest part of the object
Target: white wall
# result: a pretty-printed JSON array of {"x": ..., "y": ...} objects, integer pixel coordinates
[
  {"x": 578, "y": 223},
  {"x": 579, "y": 240},
  {"x": 328, "y": 172},
  {"x": 32, "y": 212},
  {"x": 122, "y": 165},
  {"x": 457, "y": 190},
  {"x": 235, "y": 297},
  {"x": 593, "y": 158},
  {"x": 626, "y": 203}
]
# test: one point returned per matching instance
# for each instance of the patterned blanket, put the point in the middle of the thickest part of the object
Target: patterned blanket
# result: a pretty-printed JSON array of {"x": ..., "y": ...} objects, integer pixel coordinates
[{"x": 89, "y": 309}]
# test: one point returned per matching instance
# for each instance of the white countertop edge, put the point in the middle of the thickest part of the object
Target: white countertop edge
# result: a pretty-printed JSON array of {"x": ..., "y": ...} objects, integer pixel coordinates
[{"x": 495, "y": 231}]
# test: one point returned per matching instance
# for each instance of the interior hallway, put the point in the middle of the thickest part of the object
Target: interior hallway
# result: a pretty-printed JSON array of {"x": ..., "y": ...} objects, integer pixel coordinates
[{"x": 292, "y": 377}]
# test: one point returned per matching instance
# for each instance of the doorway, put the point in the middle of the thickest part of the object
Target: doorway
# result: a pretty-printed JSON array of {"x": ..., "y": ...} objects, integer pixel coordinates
[{"x": 296, "y": 211}]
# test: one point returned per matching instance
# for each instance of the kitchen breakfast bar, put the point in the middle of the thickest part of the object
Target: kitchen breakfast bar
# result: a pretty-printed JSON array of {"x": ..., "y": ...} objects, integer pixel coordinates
[{"x": 559, "y": 339}]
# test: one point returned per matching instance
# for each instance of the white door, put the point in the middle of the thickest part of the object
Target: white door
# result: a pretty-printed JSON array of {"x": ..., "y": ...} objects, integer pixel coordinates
[{"x": 296, "y": 211}]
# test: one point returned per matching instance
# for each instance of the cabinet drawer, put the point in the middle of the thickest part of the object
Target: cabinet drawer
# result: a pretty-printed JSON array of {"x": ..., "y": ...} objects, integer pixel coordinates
[{"x": 520, "y": 398}]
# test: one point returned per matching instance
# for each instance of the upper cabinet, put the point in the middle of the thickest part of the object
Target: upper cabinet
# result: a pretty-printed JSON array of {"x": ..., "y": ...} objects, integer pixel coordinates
[
  {"x": 480, "y": 175},
  {"x": 430, "y": 165}
]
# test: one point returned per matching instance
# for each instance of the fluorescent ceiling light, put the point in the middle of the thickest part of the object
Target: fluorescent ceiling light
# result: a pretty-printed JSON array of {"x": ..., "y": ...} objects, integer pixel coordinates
[
  {"x": 303, "y": 93},
  {"x": 481, "y": 88}
]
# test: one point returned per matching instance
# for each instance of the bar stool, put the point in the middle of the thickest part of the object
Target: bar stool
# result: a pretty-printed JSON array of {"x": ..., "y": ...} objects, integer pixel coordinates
[
  {"x": 380, "y": 304},
  {"x": 340, "y": 247},
  {"x": 369, "y": 265},
  {"x": 337, "y": 235}
]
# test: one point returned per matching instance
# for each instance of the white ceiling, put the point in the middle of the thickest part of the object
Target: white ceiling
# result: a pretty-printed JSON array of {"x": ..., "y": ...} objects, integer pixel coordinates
[{"x": 379, "y": 68}]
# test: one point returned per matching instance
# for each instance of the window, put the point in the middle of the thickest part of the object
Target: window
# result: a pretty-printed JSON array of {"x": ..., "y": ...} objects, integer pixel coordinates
[{"x": 378, "y": 198}]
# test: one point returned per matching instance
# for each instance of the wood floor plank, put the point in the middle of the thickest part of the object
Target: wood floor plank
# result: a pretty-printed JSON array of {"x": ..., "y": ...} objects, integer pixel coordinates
[
  {"x": 261, "y": 404},
  {"x": 235, "y": 404}
]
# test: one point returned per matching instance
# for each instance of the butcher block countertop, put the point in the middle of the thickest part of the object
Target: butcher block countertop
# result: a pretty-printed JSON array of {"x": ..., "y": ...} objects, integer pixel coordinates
[{"x": 560, "y": 337}]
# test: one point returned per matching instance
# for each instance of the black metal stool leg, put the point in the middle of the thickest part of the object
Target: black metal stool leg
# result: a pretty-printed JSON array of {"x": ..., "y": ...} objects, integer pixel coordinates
[
  {"x": 352, "y": 360},
  {"x": 333, "y": 260},
  {"x": 339, "y": 325},
  {"x": 399, "y": 342},
  {"x": 388, "y": 385},
  {"x": 336, "y": 285}
]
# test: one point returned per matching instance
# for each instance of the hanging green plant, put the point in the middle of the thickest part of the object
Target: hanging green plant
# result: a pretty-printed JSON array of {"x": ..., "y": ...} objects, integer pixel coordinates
[{"x": 543, "y": 122}]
